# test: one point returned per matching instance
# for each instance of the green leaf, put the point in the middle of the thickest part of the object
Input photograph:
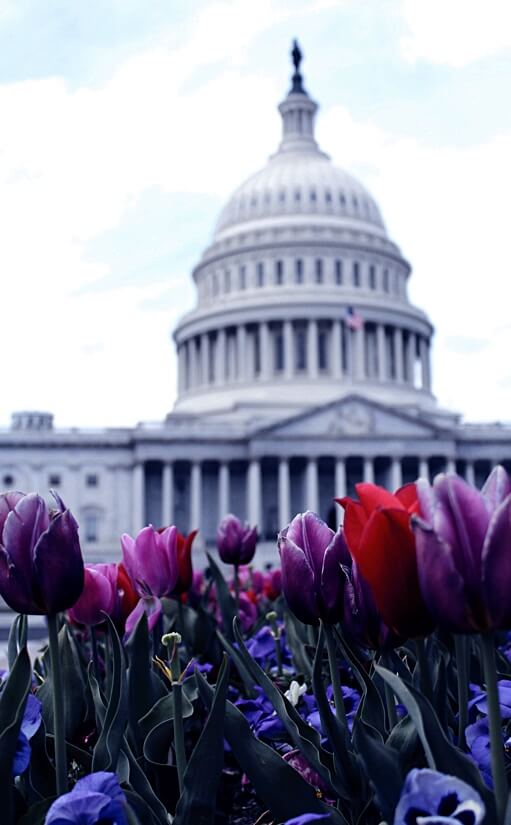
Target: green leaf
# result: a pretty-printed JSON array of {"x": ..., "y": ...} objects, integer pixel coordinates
[
  {"x": 296, "y": 640},
  {"x": 240, "y": 667},
  {"x": 371, "y": 708},
  {"x": 197, "y": 803},
  {"x": 303, "y": 736},
  {"x": 17, "y": 639},
  {"x": 276, "y": 783},
  {"x": 158, "y": 728},
  {"x": 13, "y": 699},
  {"x": 36, "y": 814},
  {"x": 141, "y": 694},
  {"x": 73, "y": 683},
  {"x": 108, "y": 746},
  {"x": 382, "y": 765},
  {"x": 225, "y": 600}
]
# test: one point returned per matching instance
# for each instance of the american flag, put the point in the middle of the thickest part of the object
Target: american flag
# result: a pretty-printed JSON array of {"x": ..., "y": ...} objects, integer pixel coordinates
[{"x": 354, "y": 319}]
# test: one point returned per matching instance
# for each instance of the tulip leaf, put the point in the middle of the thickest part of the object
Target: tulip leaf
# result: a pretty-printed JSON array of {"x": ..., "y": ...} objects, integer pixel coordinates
[
  {"x": 197, "y": 803},
  {"x": 17, "y": 639},
  {"x": 36, "y": 814},
  {"x": 73, "y": 684},
  {"x": 157, "y": 727},
  {"x": 276, "y": 783},
  {"x": 337, "y": 735},
  {"x": 140, "y": 683},
  {"x": 240, "y": 667},
  {"x": 297, "y": 644},
  {"x": 441, "y": 754},
  {"x": 41, "y": 771},
  {"x": 303, "y": 736},
  {"x": 382, "y": 764},
  {"x": 371, "y": 708},
  {"x": 141, "y": 785},
  {"x": 108, "y": 746},
  {"x": 13, "y": 698},
  {"x": 225, "y": 600}
]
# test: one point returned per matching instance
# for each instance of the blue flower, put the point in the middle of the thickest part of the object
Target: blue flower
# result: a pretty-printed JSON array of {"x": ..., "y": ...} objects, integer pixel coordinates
[
  {"x": 304, "y": 819},
  {"x": 429, "y": 797},
  {"x": 29, "y": 725},
  {"x": 95, "y": 798}
]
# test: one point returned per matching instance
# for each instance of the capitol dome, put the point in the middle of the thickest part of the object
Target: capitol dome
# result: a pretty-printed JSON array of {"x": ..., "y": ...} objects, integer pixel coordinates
[{"x": 301, "y": 294}]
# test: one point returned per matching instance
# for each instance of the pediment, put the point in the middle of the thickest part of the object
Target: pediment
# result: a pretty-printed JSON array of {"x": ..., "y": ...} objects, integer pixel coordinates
[{"x": 352, "y": 417}]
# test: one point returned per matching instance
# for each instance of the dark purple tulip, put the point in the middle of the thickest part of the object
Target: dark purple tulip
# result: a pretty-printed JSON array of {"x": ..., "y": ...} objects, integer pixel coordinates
[
  {"x": 41, "y": 565},
  {"x": 151, "y": 560},
  {"x": 464, "y": 552},
  {"x": 236, "y": 541},
  {"x": 99, "y": 595},
  {"x": 312, "y": 558},
  {"x": 362, "y": 622}
]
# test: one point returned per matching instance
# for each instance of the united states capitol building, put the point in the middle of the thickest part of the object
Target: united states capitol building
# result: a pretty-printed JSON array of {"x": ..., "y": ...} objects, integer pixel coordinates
[{"x": 302, "y": 369}]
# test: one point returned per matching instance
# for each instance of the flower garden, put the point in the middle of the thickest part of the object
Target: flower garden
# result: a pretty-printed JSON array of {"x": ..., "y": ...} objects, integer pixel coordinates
[{"x": 366, "y": 678}]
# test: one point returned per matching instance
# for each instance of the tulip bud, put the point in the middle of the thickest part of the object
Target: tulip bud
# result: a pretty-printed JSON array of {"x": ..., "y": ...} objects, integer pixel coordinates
[{"x": 236, "y": 541}]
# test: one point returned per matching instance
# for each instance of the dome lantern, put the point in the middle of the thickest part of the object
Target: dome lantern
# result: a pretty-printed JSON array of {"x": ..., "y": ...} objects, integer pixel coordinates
[{"x": 298, "y": 112}]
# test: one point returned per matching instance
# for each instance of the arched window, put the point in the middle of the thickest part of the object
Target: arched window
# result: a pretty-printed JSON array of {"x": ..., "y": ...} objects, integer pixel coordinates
[{"x": 90, "y": 522}]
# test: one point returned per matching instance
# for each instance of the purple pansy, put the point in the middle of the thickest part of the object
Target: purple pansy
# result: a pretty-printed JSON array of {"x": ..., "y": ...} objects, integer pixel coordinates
[
  {"x": 429, "y": 797},
  {"x": 95, "y": 798},
  {"x": 29, "y": 726}
]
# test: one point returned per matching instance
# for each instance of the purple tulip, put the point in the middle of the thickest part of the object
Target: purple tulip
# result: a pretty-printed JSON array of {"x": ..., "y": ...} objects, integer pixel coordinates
[
  {"x": 95, "y": 798},
  {"x": 312, "y": 558},
  {"x": 430, "y": 796},
  {"x": 236, "y": 541},
  {"x": 362, "y": 621},
  {"x": 151, "y": 561},
  {"x": 99, "y": 595},
  {"x": 41, "y": 565},
  {"x": 463, "y": 543}
]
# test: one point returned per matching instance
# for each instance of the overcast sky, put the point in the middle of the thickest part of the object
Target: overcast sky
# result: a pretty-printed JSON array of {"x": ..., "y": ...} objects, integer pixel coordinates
[{"x": 125, "y": 124}]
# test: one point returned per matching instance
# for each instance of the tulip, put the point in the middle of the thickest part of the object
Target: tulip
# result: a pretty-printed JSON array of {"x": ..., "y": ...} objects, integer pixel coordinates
[
  {"x": 184, "y": 563},
  {"x": 312, "y": 556},
  {"x": 151, "y": 561},
  {"x": 127, "y": 596},
  {"x": 362, "y": 622},
  {"x": 380, "y": 539},
  {"x": 41, "y": 565},
  {"x": 99, "y": 595},
  {"x": 463, "y": 546},
  {"x": 236, "y": 541}
]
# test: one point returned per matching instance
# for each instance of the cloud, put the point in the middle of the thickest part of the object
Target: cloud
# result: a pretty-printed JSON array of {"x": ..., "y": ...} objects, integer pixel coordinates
[{"x": 455, "y": 32}]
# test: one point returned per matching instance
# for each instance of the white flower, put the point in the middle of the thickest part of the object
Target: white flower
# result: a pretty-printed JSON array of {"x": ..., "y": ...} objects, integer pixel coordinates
[{"x": 294, "y": 692}]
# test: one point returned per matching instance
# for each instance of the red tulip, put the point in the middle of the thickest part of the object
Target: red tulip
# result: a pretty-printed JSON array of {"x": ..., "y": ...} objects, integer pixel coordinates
[
  {"x": 184, "y": 563},
  {"x": 380, "y": 538}
]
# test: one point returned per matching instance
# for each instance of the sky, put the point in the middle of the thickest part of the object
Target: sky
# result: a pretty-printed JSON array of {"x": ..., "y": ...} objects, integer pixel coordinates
[{"x": 126, "y": 124}]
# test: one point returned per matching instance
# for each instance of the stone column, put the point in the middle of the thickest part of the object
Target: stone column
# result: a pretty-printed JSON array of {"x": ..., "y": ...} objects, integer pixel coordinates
[
  {"x": 138, "y": 492},
  {"x": 312, "y": 485},
  {"x": 195, "y": 495},
  {"x": 193, "y": 361},
  {"x": 336, "y": 349},
  {"x": 254, "y": 495},
  {"x": 470, "y": 475},
  {"x": 423, "y": 468},
  {"x": 264, "y": 344},
  {"x": 289, "y": 355},
  {"x": 369, "y": 470},
  {"x": 340, "y": 488},
  {"x": 312, "y": 349},
  {"x": 398, "y": 352},
  {"x": 410, "y": 358},
  {"x": 284, "y": 493},
  {"x": 425, "y": 365},
  {"x": 241, "y": 340},
  {"x": 359, "y": 353},
  {"x": 223, "y": 490},
  {"x": 396, "y": 475},
  {"x": 382, "y": 352},
  {"x": 205, "y": 357},
  {"x": 220, "y": 356},
  {"x": 167, "y": 494},
  {"x": 450, "y": 466},
  {"x": 250, "y": 362}
]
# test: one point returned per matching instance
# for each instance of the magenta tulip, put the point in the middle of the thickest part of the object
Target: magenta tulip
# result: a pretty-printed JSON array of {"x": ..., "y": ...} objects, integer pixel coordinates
[
  {"x": 151, "y": 561},
  {"x": 99, "y": 595}
]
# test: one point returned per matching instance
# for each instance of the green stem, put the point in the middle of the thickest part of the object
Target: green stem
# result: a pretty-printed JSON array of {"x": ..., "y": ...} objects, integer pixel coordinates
[
  {"x": 390, "y": 701},
  {"x": 422, "y": 660},
  {"x": 460, "y": 648},
  {"x": 334, "y": 675},
  {"x": 498, "y": 768},
  {"x": 237, "y": 588},
  {"x": 94, "y": 648},
  {"x": 58, "y": 707},
  {"x": 179, "y": 734}
]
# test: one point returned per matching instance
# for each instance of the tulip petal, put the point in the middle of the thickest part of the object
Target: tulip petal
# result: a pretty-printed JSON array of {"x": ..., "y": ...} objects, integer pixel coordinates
[
  {"x": 496, "y": 488},
  {"x": 22, "y": 529},
  {"x": 442, "y": 587},
  {"x": 297, "y": 581},
  {"x": 316, "y": 537},
  {"x": 8, "y": 502},
  {"x": 407, "y": 496},
  {"x": 336, "y": 557},
  {"x": 58, "y": 564},
  {"x": 496, "y": 566},
  {"x": 98, "y": 598},
  {"x": 387, "y": 561},
  {"x": 16, "y": 588},
  {"x": 372, "y": 496},
  {"x": 355, "y": 520},
  {"x": 148, "y": 605}
]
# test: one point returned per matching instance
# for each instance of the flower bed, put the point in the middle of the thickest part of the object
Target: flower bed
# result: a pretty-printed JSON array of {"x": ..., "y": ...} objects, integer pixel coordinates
[{"x": 366, "y": 680}]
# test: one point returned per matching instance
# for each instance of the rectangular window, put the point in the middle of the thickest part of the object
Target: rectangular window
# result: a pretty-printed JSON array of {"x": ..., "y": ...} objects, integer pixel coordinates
[
  {"x": 301, "y": 349},
  {"x": 91, "y": 480},
  {"x": 278, "y": 343},
  {"x": 91, "y": 527},
  {"x": 260, "y": 274},
  {"x": 299, "y": 271},
  {"x": 243, "y": 277},
  {"x": 54, "y": 480},
  {"x": 338, "y": 272},
  {"x": 372, "y": 277},
  {"x": 279, "y": 272},
  {"x": 319, "y": 271},
  {"x": 356, "y": 273}
]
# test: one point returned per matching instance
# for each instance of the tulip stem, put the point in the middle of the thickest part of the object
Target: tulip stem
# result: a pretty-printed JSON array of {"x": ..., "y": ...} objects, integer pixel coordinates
[
  {"x": 58, "y": 706},
  {"x": 179, "y": 734},
  {"x": 390, "y": 701},
  {"x": 237, "y": 588},
  {"x": 334, "y": 675},
  {"x": 94, "y": 649},
  {"x": 498, "y": 767},
  {"x": 423, "y": 664},
  {"x": 460, "y": 648}
]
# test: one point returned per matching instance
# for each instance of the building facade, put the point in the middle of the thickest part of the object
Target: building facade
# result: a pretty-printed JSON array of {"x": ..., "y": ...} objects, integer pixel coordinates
[{"x": 303, "y": 369}]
